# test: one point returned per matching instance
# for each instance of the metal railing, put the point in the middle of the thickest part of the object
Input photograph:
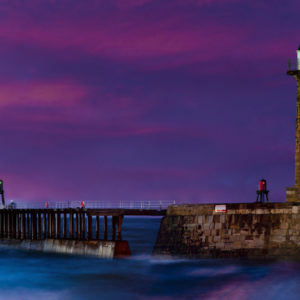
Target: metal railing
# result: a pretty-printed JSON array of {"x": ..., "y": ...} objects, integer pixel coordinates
[{"x": 146, "y": 204}]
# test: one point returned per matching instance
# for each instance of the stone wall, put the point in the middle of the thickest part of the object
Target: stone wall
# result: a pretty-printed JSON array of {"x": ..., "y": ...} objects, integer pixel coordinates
[
  {"x": 103, "y": 249},
  {"x": 245, "y": 229}
]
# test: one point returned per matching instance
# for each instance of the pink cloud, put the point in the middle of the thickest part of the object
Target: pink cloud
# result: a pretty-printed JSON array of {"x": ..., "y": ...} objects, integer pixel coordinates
[
  {"x": 126, "y": 37},
  {"x": 171, "y": 41},
  {"x": 40, "y": 93}
]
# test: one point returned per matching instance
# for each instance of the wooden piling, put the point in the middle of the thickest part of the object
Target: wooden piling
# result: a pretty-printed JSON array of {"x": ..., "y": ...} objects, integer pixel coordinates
[
  {"x": 45, "y": 235},
  {"x": 9, "y": 225},
  {"x": 23, "y": 226},
  {"x": 83, "y": 226},
  {"x": 97, "y": 227},
  {"x": 77, "y": 225},
  {"x": 39, "y": 226},
  {"x": 5, "y": 225},
  {"x": 1, "y": 225},
  {"x": 33, "y": 226},
  {"x": 119, "y": 224},
  {"x": 12, "y": 216},
  {"x": 105, "y": 227},
  {"x": 17, "y": 226},
  {"x": 28, "y": 226},
  {"x": 80, "y": 226},
  {"x": 89, "y": 227},
  {"x": 14, "y": 227},
  {"x": 71, "y": 225},
  {"x": 57, "y": 235},
  {"x": 113, "y": 220},
  {"x": 49, "y": 225},
  {"x": 64, "y": 225},
  {"x": 52, "y": 234}
]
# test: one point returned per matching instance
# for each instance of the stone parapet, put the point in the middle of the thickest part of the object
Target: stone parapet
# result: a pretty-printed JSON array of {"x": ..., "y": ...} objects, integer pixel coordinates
[{"x": 245, "y": 229}]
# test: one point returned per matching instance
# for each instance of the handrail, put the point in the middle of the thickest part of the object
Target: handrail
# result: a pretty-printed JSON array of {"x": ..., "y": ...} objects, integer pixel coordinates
[{"x": 134, "y": 204}]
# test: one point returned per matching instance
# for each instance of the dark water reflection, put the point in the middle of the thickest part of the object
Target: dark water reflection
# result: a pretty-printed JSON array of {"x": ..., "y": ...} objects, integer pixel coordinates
[{"x": 30, "y": 275}]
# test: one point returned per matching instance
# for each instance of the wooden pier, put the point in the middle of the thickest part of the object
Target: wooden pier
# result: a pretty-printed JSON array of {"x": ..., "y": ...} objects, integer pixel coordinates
[{"x": 68, "y": 223}]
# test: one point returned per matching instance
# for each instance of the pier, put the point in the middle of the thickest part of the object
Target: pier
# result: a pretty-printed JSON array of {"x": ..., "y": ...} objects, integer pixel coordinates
[{"x": 67, "y": 223}]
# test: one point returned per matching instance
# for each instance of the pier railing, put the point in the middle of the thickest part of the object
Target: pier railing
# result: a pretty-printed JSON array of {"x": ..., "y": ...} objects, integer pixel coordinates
[{"x": 144, "y": 205}]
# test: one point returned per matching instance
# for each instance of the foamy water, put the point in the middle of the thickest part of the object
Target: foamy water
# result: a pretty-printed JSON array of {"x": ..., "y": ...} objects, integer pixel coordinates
[{"x": 33, "y": 275}]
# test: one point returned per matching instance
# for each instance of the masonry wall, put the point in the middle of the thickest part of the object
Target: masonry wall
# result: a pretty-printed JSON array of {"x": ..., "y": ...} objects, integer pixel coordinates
[
  {"x": 102, "y": 249},
  {"x": 246, "y": 229}
]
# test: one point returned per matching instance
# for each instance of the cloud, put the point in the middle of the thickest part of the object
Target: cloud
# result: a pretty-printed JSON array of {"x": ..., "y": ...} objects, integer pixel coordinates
[
  {"x": 207, "y": 2},
  {"x": 40, "y": 93},
  {"x": 152, "y": 40},
  {"x": 130, "y": 3}
]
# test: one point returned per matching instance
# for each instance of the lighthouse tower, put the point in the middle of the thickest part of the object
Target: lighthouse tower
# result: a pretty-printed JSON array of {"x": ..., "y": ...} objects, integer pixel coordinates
[{"x": 293, "y": 193}]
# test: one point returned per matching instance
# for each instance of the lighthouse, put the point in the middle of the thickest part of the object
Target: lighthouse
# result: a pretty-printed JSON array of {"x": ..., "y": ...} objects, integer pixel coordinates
[{"x": 293, "y": 193}]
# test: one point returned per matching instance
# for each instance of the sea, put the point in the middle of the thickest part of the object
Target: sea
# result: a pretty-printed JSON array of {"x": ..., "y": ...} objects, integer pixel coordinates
[{"x": 35, "y": 275}]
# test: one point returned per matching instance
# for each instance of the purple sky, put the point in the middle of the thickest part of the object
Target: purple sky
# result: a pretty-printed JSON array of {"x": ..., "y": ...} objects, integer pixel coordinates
[{"x": 184, "y": 100}]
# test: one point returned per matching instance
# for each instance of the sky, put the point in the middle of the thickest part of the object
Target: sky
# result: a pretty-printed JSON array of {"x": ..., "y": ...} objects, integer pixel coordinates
[{"x": 150, "y": 100}]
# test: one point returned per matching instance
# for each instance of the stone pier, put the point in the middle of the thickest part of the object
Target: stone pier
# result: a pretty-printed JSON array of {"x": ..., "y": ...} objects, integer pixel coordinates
[{"x": 244, "y": 230}]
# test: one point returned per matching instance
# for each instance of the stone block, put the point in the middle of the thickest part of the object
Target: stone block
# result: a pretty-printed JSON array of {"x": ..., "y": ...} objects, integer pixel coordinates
[
  {"x": 284, "y": 225},
  {"x": 222, "y": 218},
  {"x": 278, "y": 238},
  {"x": 218, "y": 226},
  {"x": 200, "y": 219},
  {"x": 207, "y": 226},
  {"x": 216, "y": 239},
  {"x": 220, "y": 245},
  {"x": 259, "y": 243},
  {"x": 208, "y": 219}
]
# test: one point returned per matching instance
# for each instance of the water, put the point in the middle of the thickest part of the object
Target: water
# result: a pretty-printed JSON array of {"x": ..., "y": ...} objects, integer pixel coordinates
[{"x": 33, "y": 275}]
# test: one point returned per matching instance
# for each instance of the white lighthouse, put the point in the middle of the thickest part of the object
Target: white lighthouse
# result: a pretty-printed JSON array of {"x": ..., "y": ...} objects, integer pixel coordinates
[{"x": 293, "y": 193}]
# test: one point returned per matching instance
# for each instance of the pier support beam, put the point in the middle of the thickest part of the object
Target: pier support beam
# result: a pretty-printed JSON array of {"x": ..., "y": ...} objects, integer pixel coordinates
[
  {"x": 114, "y": 223},
  {"x": 5, "y": 225},
  {"x": 105, "y": 227},
  {"x": 97, "y": 227},
  {"x": 77, "y": 225},
  {"x": 89, "y": 227},
  {"x": 1, "y": 225},
  {"x": 39, "y": 226},
  {"x": 45, "y": 225},
  {"x": 33, "y": 226},
  {"x": 83, "y": 226},
  {"x": 57, "y": 235},
  {"x": 17, "y": 226},
  {"x": 28, "y": 226},
  {"x": 71, "y": 225},
  {"x": 9, "y": 226},
  {"x": 120, "y": 221},
  {"x": 65, "y": 225},
  {"x": 23, "y": 226},
  {"x": 52, "y": 234},
  {"x": 80, "y": 226}
]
